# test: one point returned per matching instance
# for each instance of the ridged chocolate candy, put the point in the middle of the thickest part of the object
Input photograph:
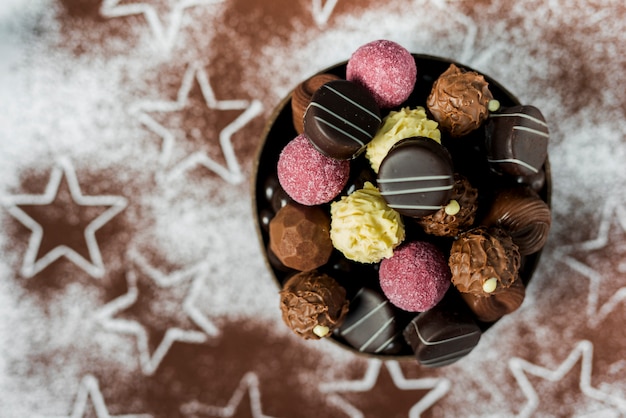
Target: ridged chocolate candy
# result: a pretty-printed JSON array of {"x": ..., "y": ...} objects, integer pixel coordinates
[
  {"x": 301, "y": 97},
  {"x": 458, "y": 215},
  {"x": 341, "y": 119},
  {"x": 313, "y": 304},
  {"x": 524, "y": 215},
  {"x": 416, "y": 177},
  {"x": 443, "y": 334},
  {"x": 370, "y": 325},
  {"x": 517, "y": 141},
  {"x": 491, "y": 308},
  {"x": 484, "y": 261}
]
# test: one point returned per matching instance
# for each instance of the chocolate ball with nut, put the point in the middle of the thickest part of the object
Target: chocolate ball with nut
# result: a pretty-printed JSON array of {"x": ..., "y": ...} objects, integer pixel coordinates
[
  {"x": 484, "y": 261},
  {"x": 313, "y": 304},
  {"x": 300, "y": 236}
]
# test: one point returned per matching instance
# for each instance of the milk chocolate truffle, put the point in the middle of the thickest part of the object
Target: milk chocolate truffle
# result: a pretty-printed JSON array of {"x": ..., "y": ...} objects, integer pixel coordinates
[
  {"x": 443, "y": 334},
  {"x": 458, "y": 215},
  {"x": 491, "y": 308},
  {"x": 301, "y": 97},
  {"x": 370, "y": 325},
  {"x": 484, "y": 261},
  {"x": 524, "y": 215},
  {"x": 300, "y": 236},
  {"x": 313, "y": 304},
  {"x": 459, "y": 101},
  {"x": 341, "y": 119},
  {"x": 416, "y": 177},
  {"x": 517, "y": 141}
]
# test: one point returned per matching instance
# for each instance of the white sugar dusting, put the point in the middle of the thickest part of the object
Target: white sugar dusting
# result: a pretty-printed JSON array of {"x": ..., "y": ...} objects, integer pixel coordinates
[
  {"x": 587, "y": 147},
  {"x": 58, "y": 104}
]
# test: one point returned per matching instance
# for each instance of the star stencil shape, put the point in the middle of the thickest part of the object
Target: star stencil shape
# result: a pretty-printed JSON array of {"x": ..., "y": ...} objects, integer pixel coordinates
[
  {"x": 55, "y": 202},
  {"x": 321, "y": 13},
  {"x": 231, "y": 171},
  {"x": 164, "y": 36},
  {"x": 583, "y": 351},
  {"x": 149, "y": 362},
  {"x": 89, "y": 389},
  {"x": 437, "y": 388},
  {"x": 611, "y": 237},
  {"x": 249, "y": 384}
]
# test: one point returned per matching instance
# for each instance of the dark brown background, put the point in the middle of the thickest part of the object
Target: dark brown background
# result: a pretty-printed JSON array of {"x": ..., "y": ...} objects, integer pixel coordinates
[{"x": 131, "y": 107}]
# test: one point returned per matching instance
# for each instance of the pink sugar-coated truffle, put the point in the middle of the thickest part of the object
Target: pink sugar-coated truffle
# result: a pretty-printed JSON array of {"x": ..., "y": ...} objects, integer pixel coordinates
[
  {"x": 309, "y": 177},
  {"x": 386, "y": 69},
  {"x": 416, "y": 277}
]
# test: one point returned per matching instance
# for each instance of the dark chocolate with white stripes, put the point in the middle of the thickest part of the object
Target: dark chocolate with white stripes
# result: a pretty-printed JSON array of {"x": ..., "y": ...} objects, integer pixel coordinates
[
  {"x": 341, "y": 119},
  {"x": 443, "y": 334},
  {"x": 517, "y": 141},
  {"x": 416, "y": 177},
  {"x": 370, "y": 326}
]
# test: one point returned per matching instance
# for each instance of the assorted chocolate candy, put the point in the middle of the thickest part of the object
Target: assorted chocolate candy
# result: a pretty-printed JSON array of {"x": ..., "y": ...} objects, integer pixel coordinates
[{"x": 403, "y": 203}]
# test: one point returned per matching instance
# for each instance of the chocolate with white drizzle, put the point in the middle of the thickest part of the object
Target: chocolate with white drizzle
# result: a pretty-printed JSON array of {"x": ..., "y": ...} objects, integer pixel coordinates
[
  {"x": 517, "y": 141},
  {"x": 371, "y": 325},
  {"x": 416, "y": 177},
  {"x": 341, "y": 119}
]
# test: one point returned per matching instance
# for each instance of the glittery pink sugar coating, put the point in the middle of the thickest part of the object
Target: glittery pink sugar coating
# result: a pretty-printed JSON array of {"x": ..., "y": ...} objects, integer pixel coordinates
[
  {"x": 416, "y": 277},
  {"x": 309, "y": 177},
  {"x": 386, "y": 69}
]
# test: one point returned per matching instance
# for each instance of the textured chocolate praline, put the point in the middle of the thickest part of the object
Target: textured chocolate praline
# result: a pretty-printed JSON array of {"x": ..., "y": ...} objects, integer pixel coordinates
[
  {"x": 443, "y": 334},
  {"x": 300, "y": 236},
  {"x": 459, "y": 101},
  {"x": 341, "y": 119},
  {"x": 491, "y": 308},
  {"x": 444, "y": 224},
  {"x": 484, "y": 261},
  {"x": 301, "y": 97},
  {"x": 416, "y": 177},
  {"x": 524, "y": 215},
  {"x": 370, "y": 326},
  {"x": 313, "y": 304},
  {"x": 517, "y": 141}
]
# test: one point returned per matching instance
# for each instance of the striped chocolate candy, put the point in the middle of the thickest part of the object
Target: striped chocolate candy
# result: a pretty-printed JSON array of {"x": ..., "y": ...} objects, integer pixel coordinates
[
  {"x": 443, "y": 334},
  {"x": 517, "y": 141},
  {"x": 416, "y": 177},
  {"x": 370, "y": 325},
  {"x": 341, "y": 119}
]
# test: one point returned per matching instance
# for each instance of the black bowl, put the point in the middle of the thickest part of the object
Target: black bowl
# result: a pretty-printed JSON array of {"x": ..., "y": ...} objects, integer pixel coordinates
[{"x": 466, "y": 153}]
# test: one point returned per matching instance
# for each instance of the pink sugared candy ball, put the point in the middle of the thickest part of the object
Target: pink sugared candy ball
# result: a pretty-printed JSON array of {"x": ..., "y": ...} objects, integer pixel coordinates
[
  {"x": 309, "y": 177},
  {"x": 416, "y": 277},
  {"x": 386, "y": 69}
]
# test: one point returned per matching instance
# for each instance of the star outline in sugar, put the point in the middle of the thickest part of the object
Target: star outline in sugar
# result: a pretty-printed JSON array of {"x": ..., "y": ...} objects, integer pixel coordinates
[
  {"x": 232, "y": 172},
  {"x": 89, "y": 388},
  {"x": 249, "y": 384},
  {"x": 439, "y": 387},
  {"x": 149, "y": 363},
  {"x": 321, "y": 13},
  {"x": 613, "y": 212},
  {"x": 164, "y": 37},
  {"x": 583, "y": 352},
  {"x": 31, "y": 266}
]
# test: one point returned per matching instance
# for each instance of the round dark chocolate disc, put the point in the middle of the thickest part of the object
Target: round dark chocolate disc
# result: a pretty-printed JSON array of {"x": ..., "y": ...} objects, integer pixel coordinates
[
  {"x": 517, "y": 141},
  {"x": 416, "y": 177},
  {"x": 341, "y": 119}
]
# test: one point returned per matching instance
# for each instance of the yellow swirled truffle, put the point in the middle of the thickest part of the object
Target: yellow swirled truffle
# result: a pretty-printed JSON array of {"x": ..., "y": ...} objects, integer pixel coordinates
[
  {"x": 363, "y": 227},
  {"x": 398, "y": 125}
]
